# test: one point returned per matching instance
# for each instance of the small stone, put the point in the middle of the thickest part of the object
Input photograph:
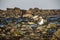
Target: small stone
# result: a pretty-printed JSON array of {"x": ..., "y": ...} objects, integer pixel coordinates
[{"x": 31, "y": 23}]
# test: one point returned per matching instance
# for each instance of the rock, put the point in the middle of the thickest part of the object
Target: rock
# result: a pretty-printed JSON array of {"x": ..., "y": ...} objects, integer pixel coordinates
[
  {"x": 40, "y": 28},
  {"x": 57, "y": 33},
  {"x": 51, "y": 25},
  {"x": 12, "y": 30},
  {"x": 22, "y": 29},
  {"x": 32, "y": 35},
  {"x": 37, "y": 30},
  {"x": 24, "y": 26},
  {"x": 3, "y": 35},
  {"x": 36, "y": 18},
  {"x": 31, "y": 23},
  {"x": 27, "y": 15}
]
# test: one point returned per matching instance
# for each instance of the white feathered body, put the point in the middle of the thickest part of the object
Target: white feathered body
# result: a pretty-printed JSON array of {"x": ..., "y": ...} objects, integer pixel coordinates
[{"x": 40, "y": 22}]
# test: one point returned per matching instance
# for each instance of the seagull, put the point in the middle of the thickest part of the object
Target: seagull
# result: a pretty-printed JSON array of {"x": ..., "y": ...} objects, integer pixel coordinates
[{"x": 40, "y": 22}]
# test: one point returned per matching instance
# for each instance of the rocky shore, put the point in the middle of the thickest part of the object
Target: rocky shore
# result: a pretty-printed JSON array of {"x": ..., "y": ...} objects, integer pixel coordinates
[{"x": 20, "y": 24}]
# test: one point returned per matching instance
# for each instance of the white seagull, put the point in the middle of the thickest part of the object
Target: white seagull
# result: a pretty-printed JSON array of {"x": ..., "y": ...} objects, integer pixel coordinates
[{"x": 40, "y": 21}]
